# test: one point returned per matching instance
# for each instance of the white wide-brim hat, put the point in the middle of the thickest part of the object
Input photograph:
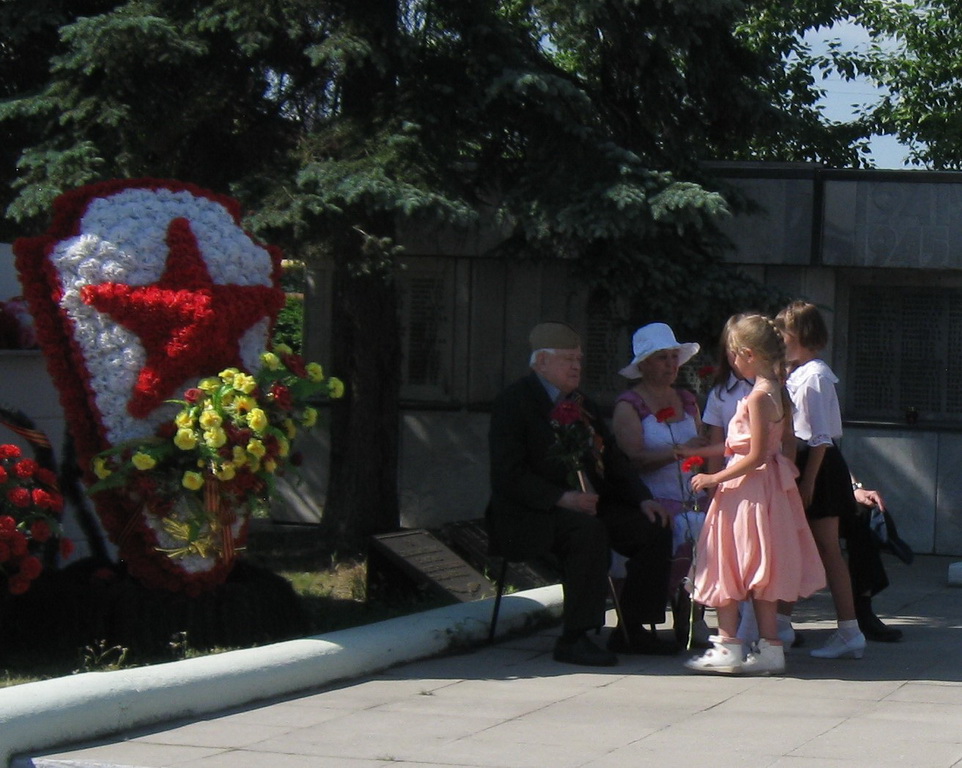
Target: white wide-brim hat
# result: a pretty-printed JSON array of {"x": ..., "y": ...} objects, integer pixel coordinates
[{"x": 652, "y": 338}]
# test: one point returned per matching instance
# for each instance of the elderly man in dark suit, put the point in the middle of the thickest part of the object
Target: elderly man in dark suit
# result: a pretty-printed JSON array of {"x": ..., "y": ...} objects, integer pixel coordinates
[{"x": 536, "y": 508}]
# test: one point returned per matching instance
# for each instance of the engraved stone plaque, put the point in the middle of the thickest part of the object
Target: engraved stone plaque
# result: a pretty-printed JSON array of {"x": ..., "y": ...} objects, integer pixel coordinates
[{"x": 425, "y": 563}]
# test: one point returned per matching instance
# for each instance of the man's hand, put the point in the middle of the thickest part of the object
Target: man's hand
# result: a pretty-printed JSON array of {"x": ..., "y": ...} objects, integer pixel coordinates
[
  {"x": 655, "y": 512},
  {"x": 579, "y": 501}
]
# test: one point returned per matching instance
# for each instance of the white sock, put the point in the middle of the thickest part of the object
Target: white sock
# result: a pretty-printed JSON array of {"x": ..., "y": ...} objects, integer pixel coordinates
[{"x": 848, "y": 629}]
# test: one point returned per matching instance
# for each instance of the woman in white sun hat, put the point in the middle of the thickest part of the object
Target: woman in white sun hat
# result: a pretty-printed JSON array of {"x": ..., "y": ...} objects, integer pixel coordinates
[{"x": 651, "y": 418}]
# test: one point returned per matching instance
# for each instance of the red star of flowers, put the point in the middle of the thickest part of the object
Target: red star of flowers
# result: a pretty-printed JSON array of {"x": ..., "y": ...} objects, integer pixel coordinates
[{"x": 189, "y": 325}]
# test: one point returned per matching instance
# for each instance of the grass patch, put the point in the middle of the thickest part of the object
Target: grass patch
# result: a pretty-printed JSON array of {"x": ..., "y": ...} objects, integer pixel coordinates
[{"x": 333, "y": 597}]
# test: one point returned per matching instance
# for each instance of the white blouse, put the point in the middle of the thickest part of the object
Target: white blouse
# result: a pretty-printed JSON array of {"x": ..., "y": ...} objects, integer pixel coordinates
[
  {"x": 723, "y": 400},
  {"x": 818, "y": 418}
]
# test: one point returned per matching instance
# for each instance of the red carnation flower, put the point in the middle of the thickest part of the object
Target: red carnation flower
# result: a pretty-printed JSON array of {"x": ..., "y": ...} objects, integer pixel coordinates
[
  {"x": 19, "y": 497},
  {"x": 41, "y": 498},
  {"x": 26, "y": 468},
  {"x": 7, "y": 526},
  {"x": 693, "y": 464},
  {"x": 3, "y": 476},
  {"x": 295, "y": 363},
  {"x": 8, "y": 451},
  {"x": 47, "y": 477},
  {"x": 665, "y": 414},
  {"x": 30, "y": 567},
  {"x": 40, "y": 531},
  {"x": 18, "y": 544},
  {"x": 282, "y": 396}
]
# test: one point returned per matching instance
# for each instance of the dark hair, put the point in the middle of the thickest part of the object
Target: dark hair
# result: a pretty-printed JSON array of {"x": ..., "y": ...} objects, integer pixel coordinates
[
  {"x": 724, "y": 368},
  {"x": 804, "y": 321}
]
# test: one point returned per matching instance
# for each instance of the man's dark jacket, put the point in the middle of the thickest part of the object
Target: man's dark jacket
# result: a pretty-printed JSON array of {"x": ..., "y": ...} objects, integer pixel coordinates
[{"x": 527, "y": 482}]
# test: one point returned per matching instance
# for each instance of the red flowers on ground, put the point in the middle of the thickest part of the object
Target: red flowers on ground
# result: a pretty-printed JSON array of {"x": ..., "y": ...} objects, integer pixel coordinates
[{"x": 30, "y": 509}]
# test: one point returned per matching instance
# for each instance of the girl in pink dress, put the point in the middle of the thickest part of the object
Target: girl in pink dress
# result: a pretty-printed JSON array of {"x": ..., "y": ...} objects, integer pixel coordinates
[{"x": 756, "y": 543}]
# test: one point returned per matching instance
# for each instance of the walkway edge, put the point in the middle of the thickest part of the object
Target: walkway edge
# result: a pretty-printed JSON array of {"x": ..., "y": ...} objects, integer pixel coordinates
[{"x": 67, "y": 710}]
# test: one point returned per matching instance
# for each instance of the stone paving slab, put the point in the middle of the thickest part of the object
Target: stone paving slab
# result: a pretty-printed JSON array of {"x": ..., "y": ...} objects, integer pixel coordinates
[{"x": 512, "y": 706}]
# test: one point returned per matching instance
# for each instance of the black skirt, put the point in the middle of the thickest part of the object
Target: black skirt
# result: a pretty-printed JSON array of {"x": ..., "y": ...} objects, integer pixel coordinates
[{"x": 832, "y": 496}]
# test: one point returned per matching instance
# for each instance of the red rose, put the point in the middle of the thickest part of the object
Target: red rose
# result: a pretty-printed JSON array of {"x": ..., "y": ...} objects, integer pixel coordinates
[
  {"x": 193, "y": 394},
  {"x": 566, "y": 412},
  {"x": 665, "y": 414},
  {"x": 693, "y": 464}
]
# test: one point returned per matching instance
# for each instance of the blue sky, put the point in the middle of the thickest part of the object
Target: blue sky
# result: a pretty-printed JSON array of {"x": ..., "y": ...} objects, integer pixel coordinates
[{"x": 841, "y": 95}]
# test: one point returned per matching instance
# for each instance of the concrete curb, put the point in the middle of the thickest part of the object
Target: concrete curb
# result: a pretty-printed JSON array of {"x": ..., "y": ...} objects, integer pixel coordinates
[{"x": 39, "y": 716}]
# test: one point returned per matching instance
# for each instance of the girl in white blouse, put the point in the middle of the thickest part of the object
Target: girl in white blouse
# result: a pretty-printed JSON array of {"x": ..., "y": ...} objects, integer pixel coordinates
[{"x": 825, "y": 483}]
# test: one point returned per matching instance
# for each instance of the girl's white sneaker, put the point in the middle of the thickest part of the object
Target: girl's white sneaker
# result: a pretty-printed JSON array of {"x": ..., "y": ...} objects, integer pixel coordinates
[
  {"x": 723, "y": 658},
  {"x": 765, "y": 659}
]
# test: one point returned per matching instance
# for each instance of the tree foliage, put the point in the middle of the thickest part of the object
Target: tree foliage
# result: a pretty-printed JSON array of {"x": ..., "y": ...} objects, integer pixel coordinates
[{"x": 914, "y": 58}]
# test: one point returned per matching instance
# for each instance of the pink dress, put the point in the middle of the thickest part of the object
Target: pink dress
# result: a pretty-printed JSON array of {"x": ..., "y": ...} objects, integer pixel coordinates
[{"x": 756, "y": 540}]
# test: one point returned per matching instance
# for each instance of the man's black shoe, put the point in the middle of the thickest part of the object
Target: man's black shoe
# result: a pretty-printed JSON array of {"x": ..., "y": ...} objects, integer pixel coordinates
[
  {"x": 873, "y": 629},
  {"x": 641, "y": 642},
  {"x": 584, "y": 652}
]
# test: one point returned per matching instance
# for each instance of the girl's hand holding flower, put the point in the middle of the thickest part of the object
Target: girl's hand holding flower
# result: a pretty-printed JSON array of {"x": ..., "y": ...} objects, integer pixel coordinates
[{"x": 702, "y": 482}]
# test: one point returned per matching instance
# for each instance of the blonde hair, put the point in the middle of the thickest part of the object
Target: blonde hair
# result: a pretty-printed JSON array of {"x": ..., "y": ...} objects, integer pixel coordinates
[{"x": 759, "y": 334}]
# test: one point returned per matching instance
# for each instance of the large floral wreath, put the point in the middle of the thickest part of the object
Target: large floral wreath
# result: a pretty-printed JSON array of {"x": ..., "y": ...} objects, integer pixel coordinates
[{"x": 140, "y": 289}]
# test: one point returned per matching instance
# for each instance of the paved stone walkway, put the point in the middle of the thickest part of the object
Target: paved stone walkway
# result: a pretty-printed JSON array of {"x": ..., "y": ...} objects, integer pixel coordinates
[{"x": 512, "y": 706}]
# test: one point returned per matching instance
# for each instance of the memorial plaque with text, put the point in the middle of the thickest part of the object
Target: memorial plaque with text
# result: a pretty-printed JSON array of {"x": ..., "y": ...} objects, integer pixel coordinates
[{"x": 429, "y": 564}]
